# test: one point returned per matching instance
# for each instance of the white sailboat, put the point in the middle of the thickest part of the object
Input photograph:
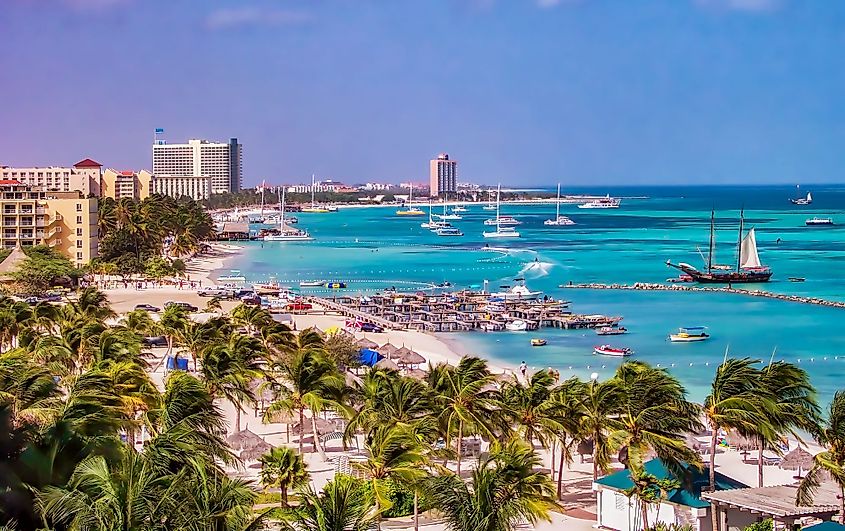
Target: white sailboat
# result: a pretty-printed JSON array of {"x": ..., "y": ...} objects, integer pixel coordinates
[
  {"x": 489, "y": 205},
  {"x": 411, "y": 210},
  {"x": 501, "y": 232},
  {"x": 558, "y": 219},
  {"x": 314, "y": 208},
  {"x": 447, "y": 216},
  {"x": 802, "y": 201},
  {"x": 748, "y": 257},
  {"x": 286, "y": 233}
]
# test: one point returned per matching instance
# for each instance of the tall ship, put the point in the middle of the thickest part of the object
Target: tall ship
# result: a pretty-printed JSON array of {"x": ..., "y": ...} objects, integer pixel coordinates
[{"x": 748, "y": 267}]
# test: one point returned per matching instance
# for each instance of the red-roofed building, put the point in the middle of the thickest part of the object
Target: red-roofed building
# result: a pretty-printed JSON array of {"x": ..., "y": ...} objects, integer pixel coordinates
[
  {"x": 87, "y": 163},
  {"x": 83, "y": 177}
]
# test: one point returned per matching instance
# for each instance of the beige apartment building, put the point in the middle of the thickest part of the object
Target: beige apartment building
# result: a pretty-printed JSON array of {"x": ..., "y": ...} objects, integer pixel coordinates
[
  {"x": 443, "y": 175},
  {"x": 129, "y": 184},
  {"x": 66, "y": 221},
  {"x": 84, "y": 177}
]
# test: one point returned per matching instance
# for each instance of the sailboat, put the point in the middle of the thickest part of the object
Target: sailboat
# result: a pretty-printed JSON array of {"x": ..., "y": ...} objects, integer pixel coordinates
[
  {"x": 558, "y": 219},
  {"x": 802, "y": 201},
  {"x": 431, "y": 224},
  {"x": 748, "y": 266},
  {"x": 489, "y": 205},
  {"x": 285, "y": 233},
  {"x": 501, "y": 232},
  {"x": 410, "y": 210},
  {"x": 446, "y": 216},
  {"x": 314, "y": 208}
]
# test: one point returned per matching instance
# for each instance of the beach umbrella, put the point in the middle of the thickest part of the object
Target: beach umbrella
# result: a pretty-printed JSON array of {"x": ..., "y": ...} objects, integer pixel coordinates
[
  {"x": 369, "y": 357},
  {"x": 798, "y": 459},
  {"x": 388, "y": 350},
  {"x": 255, "y": 453},
  {"x": 410, "y": 358},
  {"x": 740, "y": 442},
  {"x": 386, "y": 363},
  {"x": 417, "y": 374},
  {"x": 244, "y": 439},
  {"x": 366, "y": 343},
  {"x": 323, "y": 427}
]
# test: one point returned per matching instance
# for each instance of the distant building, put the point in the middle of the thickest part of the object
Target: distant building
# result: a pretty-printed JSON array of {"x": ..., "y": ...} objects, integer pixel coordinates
[
  {"x": 222, "y": 162},
  {"x": 377, "y": 187},
  {"x": 83, "y": 177},
  {"x": 443, "y": 175},
  {"x": 196, "y": 187},
  {"x": 320, "y": 186},
  {"x": 129, "y": 184},
  {"x": 66, "y": 221}
]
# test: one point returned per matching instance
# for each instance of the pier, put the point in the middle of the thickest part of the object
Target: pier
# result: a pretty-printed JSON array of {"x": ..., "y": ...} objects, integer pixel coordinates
[
  {"x": 460, "y": 312},
  {"x": 644, "y": 286}
]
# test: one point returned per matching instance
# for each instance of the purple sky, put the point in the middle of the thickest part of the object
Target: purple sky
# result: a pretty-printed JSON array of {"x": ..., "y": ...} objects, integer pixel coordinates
[{"x": 525, "y": 92}]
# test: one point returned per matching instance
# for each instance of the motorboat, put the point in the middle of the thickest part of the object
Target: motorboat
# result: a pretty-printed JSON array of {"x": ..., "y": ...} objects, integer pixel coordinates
[
  {"x": 538, "y": 342},
  {"x": 816, "y": 222},
  {"x": 519, "y": 292},
  {"x": 334, "y": 285},
  {"x": 607, "y": 350},
  {"x": 797, "y": 279},
  {"x": 448, "y": 231},
  {"x": 690, "y": 334},
  {"x": 558, "y": 220},
  {"x": 611, "y": 331},
  {"x": 502, "y": 231},
  {"x": 270, "y": 288},
  {"x": 603, "y": 202},
  {"x": 332, "y": 208},
  {"x": 234, "y": 275},
  {"x": 504, "y": 221},
  {"x": 312, "y": 283},
  {"x": 517, "y": 325},
  {"x": 450, "y": 217}
]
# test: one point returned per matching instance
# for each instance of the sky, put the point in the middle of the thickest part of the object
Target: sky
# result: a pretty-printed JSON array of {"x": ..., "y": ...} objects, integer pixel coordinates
[{"x": 522, "y": 92}]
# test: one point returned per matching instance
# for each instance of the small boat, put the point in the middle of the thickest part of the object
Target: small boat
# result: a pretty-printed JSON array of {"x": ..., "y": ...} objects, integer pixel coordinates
[
  {"x": 558, "y": 220},
  {"x": 689, "y": 334},
  {"x": 517, "y": 325},
  {"x": 502, "y": 229},
  {"x": 270, "y": 288},
  {"x": 802, "y": 201},
  {"x": 334, "y": 285},
  {"x": 607, "y": 350},
  {"x": 311, "y": 283},
  {"x": 285, "y": 233},
  {"x": 538, "y": 342},
  {"x": 519, "y": 292},
  {"x": 233, "y": 276},
  {"x": 450, "y": 217},
  {"x": 410, "y": 210},
  {"x": 502, "y": 232},
  {"x": 797, "y": 279},
  {"x": 504, "y": 221},
  {"x": 611, "y": 331},
  {"x": 814, "y": 222},
  {"x": 448, "y": 231},
  {"x": 604, "y": 202},
  {"x": 332, "y": 208},
  {"x": 458, "y": 208}
]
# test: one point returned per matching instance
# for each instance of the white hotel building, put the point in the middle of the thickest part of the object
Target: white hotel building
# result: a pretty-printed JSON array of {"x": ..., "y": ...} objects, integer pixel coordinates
[{"x": 197, "y": 160}]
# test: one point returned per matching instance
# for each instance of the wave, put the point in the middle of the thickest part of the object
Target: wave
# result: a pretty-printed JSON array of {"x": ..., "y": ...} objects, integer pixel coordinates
[{"x": 536, "y": 269}]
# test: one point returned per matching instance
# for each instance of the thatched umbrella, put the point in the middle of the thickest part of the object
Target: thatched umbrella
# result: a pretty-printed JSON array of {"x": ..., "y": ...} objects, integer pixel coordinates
[
  {"x": 417, "y": 374},
  {"x": 691, "y": 442},
  {"x": 323, "y": 427},
  {"x": 244, "y": 439},
  {"x": 409, "y": 358},
  {"x": 366, "y": 343},
  {"x": 798, "y": 459},
  {"x": 11, "y": 263},
  {"x": 253, "y": 454},
  {"x": 741, "y": 442},
  {"x": 284, "y": 417},
  {"x": 386, "y": 363},
  {"x": 387, "y": 350}
]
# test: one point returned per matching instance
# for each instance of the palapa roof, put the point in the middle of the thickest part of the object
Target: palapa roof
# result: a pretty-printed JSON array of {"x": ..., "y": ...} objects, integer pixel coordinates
[
  {"x": 386, "y": 363},
  {"x": 779, "y": 501},
  {"x": 235, "y": 227},
  {"x": 409, "y": 358},
  {"x": 366, "y": 343},
  {"x": 323, "y": 427},
  {"x": 798, "y": 458},
  {"x": 244, "y": 439},
  {"x": 12, "y": 262},
  {"x": 255, "y": 453},
  {"x": 417, "y": 374},
  {"x": 388, "y": 349}
]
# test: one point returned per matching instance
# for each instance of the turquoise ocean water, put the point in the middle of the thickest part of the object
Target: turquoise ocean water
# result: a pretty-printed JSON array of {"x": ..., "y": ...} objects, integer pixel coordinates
[{"x": 372, "y": 248}]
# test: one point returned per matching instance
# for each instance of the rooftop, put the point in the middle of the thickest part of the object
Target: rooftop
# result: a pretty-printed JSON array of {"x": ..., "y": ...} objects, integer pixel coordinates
[
  {"x": 87, "y": 163},
  {"x": 779, "y": 501}
]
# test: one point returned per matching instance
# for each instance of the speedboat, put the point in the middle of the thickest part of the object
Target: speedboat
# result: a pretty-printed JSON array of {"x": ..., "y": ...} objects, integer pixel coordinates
[
  {"x": 538, "y": 342},
  {"x": 517, "y": 325},
  {"x": 558, "y": 221},
  {"x": 819, "y": 221},
  {"x": 331, "y": 208},
  {"x": 689, "y": 334},
  {"x": 503, "y": 221},
  {"x": 607, "y": 350},
  {"x": 311, "y": 283},
  {"x": 611, "y": 331},
  {"x": 603, "y": 202},
  {"x": 797, "y": 279},
  {"x": 334, "y": 285},
  {"x": 448, "y": 231},
  {"x": 520, "y": 292}
]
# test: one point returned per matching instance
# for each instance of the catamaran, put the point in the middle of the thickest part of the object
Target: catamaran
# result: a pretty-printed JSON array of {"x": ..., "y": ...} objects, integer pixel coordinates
[
  {"x": 448, "y": 231},
  {"x": 501, "y": 232},
  {"x": 602, "y": 202},
  {"x": 690, "y": 334},
  {"x": 558, "y": 219},
  {"x": 748, "y": 266},
  {"x": 410, "y": 210},
  {"x": 314, "y": 208},
  {"x": 802, "y": 201},
  {"x": 284, "y": 232},
  {"x": 519, "y": 292}
]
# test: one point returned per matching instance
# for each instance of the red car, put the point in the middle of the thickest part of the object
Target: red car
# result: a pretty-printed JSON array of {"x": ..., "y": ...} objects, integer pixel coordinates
[{"x": 298, "y": 306}]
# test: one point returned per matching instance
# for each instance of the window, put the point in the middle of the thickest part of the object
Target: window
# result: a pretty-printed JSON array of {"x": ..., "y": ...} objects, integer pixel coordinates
[
  {"x": 79, "y": 207},
  {"x": 78, "y": 220},
  {"x": 79, "y": 256},
  {"x": 621, "y": 502},
  {"x": 79, "y": 244},
  {"x": 79, "y": 231}
]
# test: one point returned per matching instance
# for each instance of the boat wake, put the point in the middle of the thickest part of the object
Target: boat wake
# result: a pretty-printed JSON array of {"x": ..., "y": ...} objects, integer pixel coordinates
[{"x": 536, "y": 269}]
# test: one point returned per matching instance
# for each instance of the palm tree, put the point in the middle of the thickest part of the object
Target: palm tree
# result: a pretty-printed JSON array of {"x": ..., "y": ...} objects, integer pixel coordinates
[
  {"x": 395, "y": 455},
  {"x": 342, "y": 505},
  {"x": 532, "y": 408},
  {"x": 464, "y": 400},
  {"x": 91, "y": 303},
  {"x": 195, "y": 337},
  {"x": 830, "y": 433},
  {"x": 505, "y": 492},
  {"x": 138, "y": 321},
  {"x": 569, "y": 411},
  {"x": 173, "y": 320},
  {"x": 794, "y": 405},
  {"x": 389, "y": 399},
  {"x": 602, "y": 403},
  {"x": 136, "y": 391},
  {"x": 27, "y": 389},
  {"x": 252, "y": 318},
  {"x": 283, "y": 468}
]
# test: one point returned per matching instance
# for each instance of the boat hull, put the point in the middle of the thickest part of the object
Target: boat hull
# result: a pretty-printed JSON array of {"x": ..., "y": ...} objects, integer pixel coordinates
[
  {"x": 679, "y": 338},
  {"x": 725, "y": 277},
  {"x": 605, "y": 350}
]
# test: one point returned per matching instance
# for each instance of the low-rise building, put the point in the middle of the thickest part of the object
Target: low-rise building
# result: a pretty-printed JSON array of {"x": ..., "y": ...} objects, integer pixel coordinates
[
  {"x": 83, "y": 177},
  {"x": 126, "y": 184}
]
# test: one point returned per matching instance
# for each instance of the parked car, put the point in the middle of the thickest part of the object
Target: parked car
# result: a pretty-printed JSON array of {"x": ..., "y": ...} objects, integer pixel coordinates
[
  {"x": 187, "y": 306},
  {"x": 214, "y": 292},
  {"x": 370, "y": 327},
  {"x": 147, "y": 307},
  {"x": 252, "y": 299},
  {"x": 154, "y": 341},
  {"x": 298, "y": 306}
]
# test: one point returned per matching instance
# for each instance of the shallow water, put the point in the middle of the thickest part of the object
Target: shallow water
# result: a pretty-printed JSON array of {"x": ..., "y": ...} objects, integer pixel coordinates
[{"x": 372, "y": 249}]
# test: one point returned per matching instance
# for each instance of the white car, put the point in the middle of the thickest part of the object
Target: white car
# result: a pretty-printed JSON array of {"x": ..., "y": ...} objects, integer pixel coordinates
[{"x": 214, "y": 292}]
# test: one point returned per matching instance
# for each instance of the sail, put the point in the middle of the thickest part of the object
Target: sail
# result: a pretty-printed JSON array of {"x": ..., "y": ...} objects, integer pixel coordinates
[
  {"x": 748, "y": 256},
  {"x": 809, "y": 197}
]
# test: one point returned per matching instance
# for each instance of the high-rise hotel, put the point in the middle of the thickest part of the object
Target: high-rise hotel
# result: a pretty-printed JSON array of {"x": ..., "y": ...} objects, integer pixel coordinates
[
  {"x": 201, "y": 160},
  {"x": 443, "y": 175}
]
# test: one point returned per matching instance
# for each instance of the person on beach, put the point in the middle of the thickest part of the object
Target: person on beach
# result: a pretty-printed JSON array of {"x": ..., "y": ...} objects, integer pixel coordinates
[{"x": 523, "y": 368}]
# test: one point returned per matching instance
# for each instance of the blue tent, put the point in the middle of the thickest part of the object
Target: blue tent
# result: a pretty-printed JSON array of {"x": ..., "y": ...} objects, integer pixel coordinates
[
  {"x": 369, "y": 357},
  {"x": 180, "y": 364}
]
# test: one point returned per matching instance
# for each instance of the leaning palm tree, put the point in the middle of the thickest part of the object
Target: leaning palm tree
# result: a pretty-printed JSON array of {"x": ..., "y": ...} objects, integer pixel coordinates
[
  {"x": 831, "y": 434},
  {"x": 138, "y": 321},
  {"x": 601, "y": 404},
  {"x": 173, "y": 320},
  {"x": 464, "y": 401},
  {"x": 505, "y": 492},
  {"x": 569, "y": 411},
  {"x": 793, "y": 406},
  {"x": 387, "y": 399},
  {"x": 283, "y": 468},
  {"x": 532, "y": 408},
  {"x": 344, "y": 504}
]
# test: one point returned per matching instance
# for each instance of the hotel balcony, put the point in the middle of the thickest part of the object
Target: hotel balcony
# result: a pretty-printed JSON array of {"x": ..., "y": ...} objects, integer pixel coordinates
[{"x": 10, "y": 222}]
